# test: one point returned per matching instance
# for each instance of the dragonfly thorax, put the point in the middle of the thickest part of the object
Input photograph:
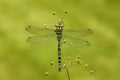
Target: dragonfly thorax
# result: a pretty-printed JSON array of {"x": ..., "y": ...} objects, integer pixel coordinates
[
  {"x": 59, "y": 27},
  {"x": 58, "y": 30}
]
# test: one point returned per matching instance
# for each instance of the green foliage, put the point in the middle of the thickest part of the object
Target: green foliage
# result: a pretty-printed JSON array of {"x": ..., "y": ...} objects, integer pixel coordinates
[{"x": 23, "y": 61}]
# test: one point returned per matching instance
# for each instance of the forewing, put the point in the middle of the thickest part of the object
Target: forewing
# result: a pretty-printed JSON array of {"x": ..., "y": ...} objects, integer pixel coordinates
[
  {"x": 39, "y": 31},
  {"x": 78, "y": 33}
]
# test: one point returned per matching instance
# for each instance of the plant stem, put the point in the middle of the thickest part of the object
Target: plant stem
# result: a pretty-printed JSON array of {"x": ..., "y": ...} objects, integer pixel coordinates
[{"x": 68, "y": 73}]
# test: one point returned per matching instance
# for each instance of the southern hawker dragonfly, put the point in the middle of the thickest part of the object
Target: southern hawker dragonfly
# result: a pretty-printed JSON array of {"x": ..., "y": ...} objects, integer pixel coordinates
[{"x": 63, "y": 36}]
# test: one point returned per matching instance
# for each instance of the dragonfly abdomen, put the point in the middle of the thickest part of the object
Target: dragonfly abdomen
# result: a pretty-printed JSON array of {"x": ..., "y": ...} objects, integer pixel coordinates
[{"x": 59, "y": 55}]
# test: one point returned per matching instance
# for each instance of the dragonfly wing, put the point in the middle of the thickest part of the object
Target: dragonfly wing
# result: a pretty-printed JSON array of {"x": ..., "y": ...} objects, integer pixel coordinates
[
  {"x": 78, "y": 33},
  {"x": 50, "y": 39},
  {"x": 74, "y": 42},
  {"x": 40, "y": 31}
]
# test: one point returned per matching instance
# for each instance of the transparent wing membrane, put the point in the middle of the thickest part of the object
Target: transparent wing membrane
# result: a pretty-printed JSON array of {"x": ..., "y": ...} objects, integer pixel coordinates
[
  {"x": 40, "y": 31},
  {"x": 78, "y": 33},
  {"x": 42, "y": 39},
  {"x": 71, "y": 37},
  {"x": 74, "y": 42}
]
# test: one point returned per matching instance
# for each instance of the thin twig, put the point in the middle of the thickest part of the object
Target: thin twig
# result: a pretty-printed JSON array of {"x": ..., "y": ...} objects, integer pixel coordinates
[{"x": 68, "y": 73}]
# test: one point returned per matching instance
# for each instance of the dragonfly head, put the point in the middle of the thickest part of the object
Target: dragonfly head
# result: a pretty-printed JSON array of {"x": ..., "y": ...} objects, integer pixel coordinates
[{"x": 60, "y": 23}]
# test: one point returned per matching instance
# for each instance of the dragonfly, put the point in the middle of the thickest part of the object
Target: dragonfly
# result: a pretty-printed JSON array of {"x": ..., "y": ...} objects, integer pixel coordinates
[{"x": 70, "y": 37}]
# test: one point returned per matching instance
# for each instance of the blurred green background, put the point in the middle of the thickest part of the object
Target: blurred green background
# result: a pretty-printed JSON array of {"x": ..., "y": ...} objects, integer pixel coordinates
[{"x": 20, "y": 60}]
